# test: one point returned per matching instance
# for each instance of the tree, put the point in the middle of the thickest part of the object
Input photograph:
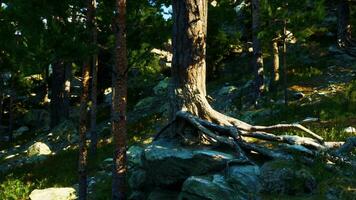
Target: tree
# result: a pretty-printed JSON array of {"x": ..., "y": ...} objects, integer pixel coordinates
[
  {"x": 257, "y": 51},
  {"x": 119, "y": 104},
  {"x": 189, "y": 105},
  {"x": 94, "y": 80},
  {"x": 344, "y": 33},
  {"x": 83, "y": 152}
]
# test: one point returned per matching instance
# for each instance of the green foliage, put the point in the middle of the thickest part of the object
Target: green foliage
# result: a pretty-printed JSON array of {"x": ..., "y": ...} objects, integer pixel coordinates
[{"x": 15, "y": 189}]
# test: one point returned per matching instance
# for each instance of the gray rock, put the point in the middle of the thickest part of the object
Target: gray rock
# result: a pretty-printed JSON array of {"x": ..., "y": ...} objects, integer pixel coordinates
[
  {"x": 208, "y": 187},
  {"x": 137, "y": 195},
  {"x": 137, "y": 179},
  {"x": 37, "y": 118},
  {"x": 169, "y": 164},
  {"x": 38, "y": 148},
  {"x": 53, "y": 194},
  {"x": 284, "y": 177},
  {"x": 350, "y": 129},
  {"x": 244, "y": 178},
  {"x": 227, "y": 90},
  {"x": 134, "y": 155},
  {"x": 160, "y": 194},
  {"x": 162, "y": 87},
  {"x": 20, "y": 131}
]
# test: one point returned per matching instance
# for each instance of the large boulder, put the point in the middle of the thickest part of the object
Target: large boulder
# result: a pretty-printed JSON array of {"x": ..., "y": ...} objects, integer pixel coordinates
[
  {"x": 54, "y": 194},
  {"x": 286, "y": 177},
  {"x": 212, "y": 187},
  {"x": 167, "y": 163},
  {"x": 38, "y": 149}
]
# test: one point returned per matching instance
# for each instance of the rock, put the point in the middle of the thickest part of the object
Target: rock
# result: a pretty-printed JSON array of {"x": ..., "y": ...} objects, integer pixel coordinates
[
  {"x": 134, "y": 156},
  {"x": 310, "y": 119},
  {"x": 159, "y": 194},
  {"x": 137, "y": 179},
  {"x": 20, "y": 131},
  {"x": 162, "y": 87},
  {"x": 38, "y": 149},
  {"x": 167, "y": 163},
  {"x": 208, "y": 187},
  {"x": 137, "y": 195},
  {"x": 284, "y": 177},
  {"x": 298, "y": 95},
  {"x": 66, "y": 130},
  {"x": 227, "y": 90},
  {"x": 38, "y": 118},
  {"x": 350, "y": 129},
  {"x": 54, "y": 194},
  {"x": 244, "y": 178}
]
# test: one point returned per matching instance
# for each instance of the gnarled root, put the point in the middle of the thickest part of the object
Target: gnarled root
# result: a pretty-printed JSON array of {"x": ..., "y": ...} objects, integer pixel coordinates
[{"x": 232, "y": 132}]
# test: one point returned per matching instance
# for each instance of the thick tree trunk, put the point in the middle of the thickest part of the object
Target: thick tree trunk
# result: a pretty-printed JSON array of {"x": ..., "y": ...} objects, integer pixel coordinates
[
  {"x": 119, "y": 191},
  {"x": 188, "y": 64},
  {"x": 257, "y": 52},
  {"x": 94, "y": 84},
  {"x": 285, "y": 67},
  {"x": 83, "y": 153},
  {"x": 343, "y": 24},
  {"x": 57, "y": 94}
]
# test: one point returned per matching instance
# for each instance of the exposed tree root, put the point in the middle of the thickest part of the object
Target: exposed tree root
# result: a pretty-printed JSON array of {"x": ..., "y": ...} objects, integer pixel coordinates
[{"x": 232, "y": 132}]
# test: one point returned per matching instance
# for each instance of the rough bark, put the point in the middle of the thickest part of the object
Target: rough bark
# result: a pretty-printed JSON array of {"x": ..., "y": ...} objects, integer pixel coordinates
[
  {"x": 188, "y": 64},
  {"x": 57, "y": 94},
  {"x": 189, "y": 106},
  {"x": 83, "y": 152},
  {"x": 94, "y": 81},
  {"x": 285, "y": 70},
  {"x": 275, "y": 61},
  {"x": 257, "y": 51},
  {"x": 119, "y": 190}
]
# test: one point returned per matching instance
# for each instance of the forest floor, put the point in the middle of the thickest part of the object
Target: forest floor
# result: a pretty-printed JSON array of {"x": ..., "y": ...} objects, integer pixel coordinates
[{"x": 326, "y": 93}]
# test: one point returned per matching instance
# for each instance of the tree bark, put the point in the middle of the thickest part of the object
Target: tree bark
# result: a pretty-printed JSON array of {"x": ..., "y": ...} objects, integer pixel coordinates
[
  {"x": 119, "y": 191},
  {"x": 285, "y": 70},
  {"x": 1, "y": 100},
  {"x": 257, "y": 51},
  {"x": 57, "y": 94},
  {"x": 94, "y": 82},
  {"x": 275, "y": 61},
  {"x": 83, "y": 153},
  {"x": 67, "y": 85},
  {"x": 343, "y": 24}
]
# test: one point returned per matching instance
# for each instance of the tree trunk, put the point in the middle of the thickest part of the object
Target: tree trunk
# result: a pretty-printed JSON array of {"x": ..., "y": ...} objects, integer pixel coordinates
[
  {"x": 83, "y": 153},
  {"x": 11, "y": 112},
  {"x": 275, "y": 61},
  {"x": 1, "y": 100},
  {"x": 285, "y": 70},
  {"x": 94, "y": 82},
  {"x": 343, "y": 24},
  {"x": 119, "y": 104},
  {"x": 57, "y": 94},
  {"x": 67, "y": 84},
  {"x": 257, "y": 52}
]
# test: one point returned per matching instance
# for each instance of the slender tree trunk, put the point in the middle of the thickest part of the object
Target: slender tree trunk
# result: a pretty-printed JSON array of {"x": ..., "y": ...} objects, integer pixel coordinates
[
  {"x": 11, "y": 109},
  {"x": 57, "y": 94},
  {"x": 257, "y": 52},
  {"x": 67, "y": 84},
  {"x": 275, "y": 61},
  {"x": 119, "y": 105},
  {"x": 83, "y": 153},
  {"x": 343, "y": 24},
  {"x": 285, "y": 70},
  {"x": 1, "y": 101},
  {"x": 94, "y": 82}
]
